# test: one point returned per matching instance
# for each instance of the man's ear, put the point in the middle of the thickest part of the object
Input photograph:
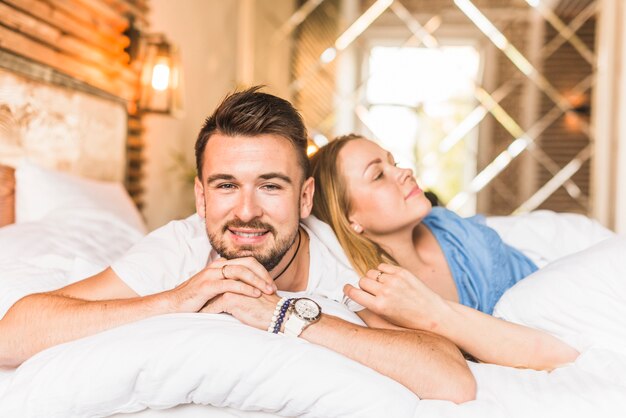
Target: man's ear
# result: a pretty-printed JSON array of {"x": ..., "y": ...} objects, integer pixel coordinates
[
  {"x": 198, "y": 190},
  {"x": 306, "y": 197}
]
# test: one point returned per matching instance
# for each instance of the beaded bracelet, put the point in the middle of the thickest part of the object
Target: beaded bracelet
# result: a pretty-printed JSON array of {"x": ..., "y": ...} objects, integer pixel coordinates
[
  {"x": 280, "y": 303},
  {"x": 279, "y": 314}
]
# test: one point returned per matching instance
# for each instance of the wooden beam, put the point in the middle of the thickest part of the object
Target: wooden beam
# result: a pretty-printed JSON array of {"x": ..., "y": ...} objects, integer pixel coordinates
[
  {"x": 24, "y": 46},
  {"x": 134, "y": 155},
  {"x": 134, "y": 141},
  {"x": 57, "y": 40},
  {"x": 83, "y": 41},
  {"x": 133, "y": 7},
  {"x": 100, "y": 8},
  {"x": 68, "y": 24},
  {"x": 135, "y": 125},
  {"x": 102, "y": 18},
  {"x": 139, "y": 10},
  {"x": 7, "y": 195},
  {"x": 134, "y": 189}
]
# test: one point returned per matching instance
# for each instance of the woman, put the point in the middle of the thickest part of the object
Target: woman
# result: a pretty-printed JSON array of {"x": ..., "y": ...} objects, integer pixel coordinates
[{"x": 423, "y": 268}]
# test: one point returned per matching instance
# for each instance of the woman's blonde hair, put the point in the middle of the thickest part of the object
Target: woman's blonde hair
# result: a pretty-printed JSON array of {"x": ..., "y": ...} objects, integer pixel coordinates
[{"x": 331, "y": 204}]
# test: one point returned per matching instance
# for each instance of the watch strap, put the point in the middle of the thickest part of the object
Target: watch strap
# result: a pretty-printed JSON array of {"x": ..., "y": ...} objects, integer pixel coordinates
[{"x": 294, "y": 325}]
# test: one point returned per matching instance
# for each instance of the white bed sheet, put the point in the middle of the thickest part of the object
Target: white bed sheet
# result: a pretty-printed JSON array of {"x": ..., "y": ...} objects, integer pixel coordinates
[
  {"x": 195, "y": 411},
  {"x": 174, "y": 360}
]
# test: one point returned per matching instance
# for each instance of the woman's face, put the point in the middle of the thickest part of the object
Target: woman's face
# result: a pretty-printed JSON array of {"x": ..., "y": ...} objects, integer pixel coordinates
[{"x": 385, "y": 199}]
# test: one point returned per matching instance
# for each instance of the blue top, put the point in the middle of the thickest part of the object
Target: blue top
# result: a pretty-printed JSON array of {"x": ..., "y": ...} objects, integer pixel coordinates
[{"x": 482, "y": 265}]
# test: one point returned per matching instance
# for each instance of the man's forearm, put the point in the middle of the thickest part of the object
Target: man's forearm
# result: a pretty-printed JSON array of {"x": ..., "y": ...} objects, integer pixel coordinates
[
  {"x": 428, "y": 365},
  {"x": 39, "y": 321}
]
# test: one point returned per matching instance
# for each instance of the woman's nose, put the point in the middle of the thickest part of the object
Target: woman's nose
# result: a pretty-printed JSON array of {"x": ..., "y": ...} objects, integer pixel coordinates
[{"x": 404, "y": 174}]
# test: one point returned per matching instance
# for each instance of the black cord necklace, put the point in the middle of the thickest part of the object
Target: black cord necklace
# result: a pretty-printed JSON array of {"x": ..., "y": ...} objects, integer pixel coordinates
[{"x": 293, "y": 257}]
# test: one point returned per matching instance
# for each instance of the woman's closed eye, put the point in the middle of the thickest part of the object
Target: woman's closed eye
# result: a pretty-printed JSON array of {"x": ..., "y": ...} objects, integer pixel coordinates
[{"x": 381, "y": 173}]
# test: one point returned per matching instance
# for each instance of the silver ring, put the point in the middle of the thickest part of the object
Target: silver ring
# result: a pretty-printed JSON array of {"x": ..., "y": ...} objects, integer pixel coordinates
[
  {"x": 223, "y": 273},
  {"x": 380, "y": 273}
]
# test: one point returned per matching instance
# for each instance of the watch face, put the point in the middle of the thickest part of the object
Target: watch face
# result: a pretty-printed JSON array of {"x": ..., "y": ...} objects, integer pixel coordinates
[{"x": 307, "y": 309}]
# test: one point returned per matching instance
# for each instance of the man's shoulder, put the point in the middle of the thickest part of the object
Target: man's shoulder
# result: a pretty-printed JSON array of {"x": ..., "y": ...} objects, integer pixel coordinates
[
  {"x": 190, "y": 227},
  {"x": 321, "y": 236},
  {"x": 329, "y": 268},
  {"x": 165, "y": 257}
]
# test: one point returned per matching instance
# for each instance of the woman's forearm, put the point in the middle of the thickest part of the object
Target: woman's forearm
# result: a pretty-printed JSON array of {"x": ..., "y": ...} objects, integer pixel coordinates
[{"x": 493, "y": 340}]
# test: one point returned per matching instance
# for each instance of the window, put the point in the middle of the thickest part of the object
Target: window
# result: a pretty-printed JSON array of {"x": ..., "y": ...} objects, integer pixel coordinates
[{"x": 416, "y": 99}]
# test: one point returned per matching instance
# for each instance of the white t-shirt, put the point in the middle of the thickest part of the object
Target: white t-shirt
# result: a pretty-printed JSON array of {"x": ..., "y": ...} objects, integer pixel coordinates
[{"x": 175, "y": 252}]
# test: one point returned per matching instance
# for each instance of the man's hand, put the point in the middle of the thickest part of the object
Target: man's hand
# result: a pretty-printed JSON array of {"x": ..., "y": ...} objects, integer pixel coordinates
[
  {"x": 399, "y": 297},
  {"x": 242, "y": 276},
  {"x": 254, "y": 311},
  {"x": 438, "y": 373}
]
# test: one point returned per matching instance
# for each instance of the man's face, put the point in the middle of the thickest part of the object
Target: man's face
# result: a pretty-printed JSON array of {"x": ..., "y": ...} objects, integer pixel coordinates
[{"x": 252, "y": 196}]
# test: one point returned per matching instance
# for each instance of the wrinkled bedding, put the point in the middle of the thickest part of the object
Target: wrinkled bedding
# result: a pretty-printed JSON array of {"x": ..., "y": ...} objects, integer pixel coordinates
[{"x": 192, "y": 364}]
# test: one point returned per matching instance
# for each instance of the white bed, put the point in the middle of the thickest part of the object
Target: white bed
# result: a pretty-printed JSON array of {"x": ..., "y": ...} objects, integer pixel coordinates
[{"x": 191, "y": 365}]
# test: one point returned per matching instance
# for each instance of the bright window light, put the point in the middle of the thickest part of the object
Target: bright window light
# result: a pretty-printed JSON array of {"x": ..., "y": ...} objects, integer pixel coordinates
[
  {"x": 416, "y": 98},
  {"x": 328, "y": 55}
]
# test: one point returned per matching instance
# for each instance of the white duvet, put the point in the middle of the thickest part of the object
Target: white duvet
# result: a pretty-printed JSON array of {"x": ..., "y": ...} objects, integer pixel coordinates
[{"x": 213, "y": 360}]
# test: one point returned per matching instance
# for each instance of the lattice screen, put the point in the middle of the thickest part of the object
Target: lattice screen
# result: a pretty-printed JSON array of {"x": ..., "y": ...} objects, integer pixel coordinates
[{"x": 532, "y": 106}]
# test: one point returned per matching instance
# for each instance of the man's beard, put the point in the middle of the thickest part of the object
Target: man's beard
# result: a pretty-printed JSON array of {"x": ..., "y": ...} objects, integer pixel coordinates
[{"x": 269, "y": 259}]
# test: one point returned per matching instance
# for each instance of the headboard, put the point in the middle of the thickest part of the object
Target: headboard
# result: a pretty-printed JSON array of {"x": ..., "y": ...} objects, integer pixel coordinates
[
  {"x": 7, "y": 195},
  {"x": 69, "y": 82},
  {"x": 58, "y": 127}
]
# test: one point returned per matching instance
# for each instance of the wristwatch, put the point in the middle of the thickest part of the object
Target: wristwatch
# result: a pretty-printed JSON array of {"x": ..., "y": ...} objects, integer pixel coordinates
[{"x": 304, "y": 312}]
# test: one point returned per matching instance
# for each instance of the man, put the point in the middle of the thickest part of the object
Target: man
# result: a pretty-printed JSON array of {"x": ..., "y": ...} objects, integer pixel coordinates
[{"x": 251, "y": 192}]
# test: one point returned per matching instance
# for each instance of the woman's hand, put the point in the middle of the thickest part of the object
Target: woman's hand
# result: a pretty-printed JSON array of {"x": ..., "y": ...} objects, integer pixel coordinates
[{"x": 399, "y": 297}]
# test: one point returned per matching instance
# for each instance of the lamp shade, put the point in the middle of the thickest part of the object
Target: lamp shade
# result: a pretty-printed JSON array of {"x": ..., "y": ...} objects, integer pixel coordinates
[{"x": 161, "y": 79}]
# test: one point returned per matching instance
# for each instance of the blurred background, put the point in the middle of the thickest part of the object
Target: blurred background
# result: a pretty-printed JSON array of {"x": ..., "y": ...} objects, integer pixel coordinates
[
  {"x": 499, "y": 106},
  {"x": 491, "y": 102}
]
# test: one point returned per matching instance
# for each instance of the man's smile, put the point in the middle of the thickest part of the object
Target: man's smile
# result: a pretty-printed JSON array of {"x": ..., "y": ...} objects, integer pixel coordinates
[{"x": 243, "y": 236}]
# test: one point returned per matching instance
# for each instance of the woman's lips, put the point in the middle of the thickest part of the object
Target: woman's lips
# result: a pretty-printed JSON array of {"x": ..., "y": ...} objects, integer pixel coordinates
[{"x": 414, "y": 192}]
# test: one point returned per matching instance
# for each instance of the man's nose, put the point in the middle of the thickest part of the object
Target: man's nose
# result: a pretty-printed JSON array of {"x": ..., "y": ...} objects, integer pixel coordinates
[{"x": 247, "y": 207}]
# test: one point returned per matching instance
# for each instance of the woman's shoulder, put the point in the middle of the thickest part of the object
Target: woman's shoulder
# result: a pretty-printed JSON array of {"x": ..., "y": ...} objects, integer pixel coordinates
[
  {"x": 446, "y": 220},
  {"x": 441, "y": 215}
]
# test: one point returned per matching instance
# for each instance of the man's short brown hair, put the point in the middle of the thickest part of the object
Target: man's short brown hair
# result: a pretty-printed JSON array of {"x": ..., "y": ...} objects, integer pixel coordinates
[{"x": 251, "y": 113}]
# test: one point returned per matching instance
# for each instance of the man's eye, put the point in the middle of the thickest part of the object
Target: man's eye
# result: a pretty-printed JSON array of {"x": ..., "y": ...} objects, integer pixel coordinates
[
  {"x": 271, "y": 187},
  {"x": 226, "y": 186}
]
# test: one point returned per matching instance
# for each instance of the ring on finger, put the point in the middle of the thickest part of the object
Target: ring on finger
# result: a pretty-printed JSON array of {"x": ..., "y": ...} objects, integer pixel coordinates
[
  {"x": 224, "y": 272},
  {"x": 380, "y": 273}
]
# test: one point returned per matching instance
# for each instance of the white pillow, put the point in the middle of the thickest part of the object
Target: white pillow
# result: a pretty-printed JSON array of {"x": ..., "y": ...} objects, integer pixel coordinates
[
  {"x": 580, "y": 298},
  {"x": 175, "y": 359},
  {"x": 544, "y": 236},
  {"x": 40, "y": 191},
  {"x": 66, "y": 246}
]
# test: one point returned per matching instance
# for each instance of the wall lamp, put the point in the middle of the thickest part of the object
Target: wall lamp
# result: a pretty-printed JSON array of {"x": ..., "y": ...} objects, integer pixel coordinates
[
  {"x": 161, "y": 78},
  {"x": 161, "y": 81}
]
